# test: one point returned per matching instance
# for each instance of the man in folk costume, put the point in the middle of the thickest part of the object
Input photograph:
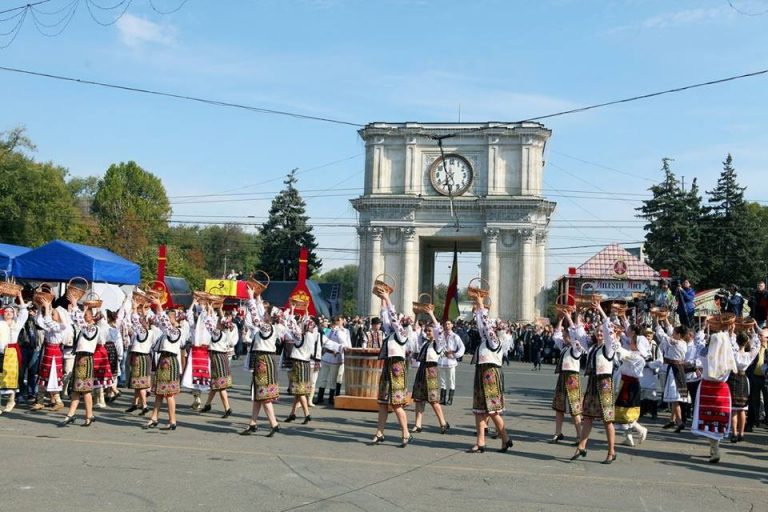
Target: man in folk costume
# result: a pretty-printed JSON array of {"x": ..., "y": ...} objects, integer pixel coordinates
[
  {"x": 449, "y": 360},
  {"x": 649, "y": 382},
  {"x": 315, "y": 363},
  {"x": 61, "y": 305},
  {"x": 264, "y": 387},
  {"x": 197, "y": 370},
  {"x": 572, "y": 343},
  {"x": 374, "y": 337},
  {"x": 51, "y": 373},
  {"x": 674, "y": 348},
  {"x": 695, "y": 343},
  {"x": 10, "y": 327},
  {"x": 333, "y": 359},
  {"x": 712, "y": 409}
]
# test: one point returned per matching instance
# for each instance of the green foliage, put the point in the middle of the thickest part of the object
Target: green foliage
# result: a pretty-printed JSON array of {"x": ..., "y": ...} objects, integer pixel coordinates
[
  {"x": 132, "y": 209},
  {"x": 285, "y": 231},
  {"x": 672, "y": 228},
  {"x": 347, "y": 276},
  {"x": 177, "y": 264}
]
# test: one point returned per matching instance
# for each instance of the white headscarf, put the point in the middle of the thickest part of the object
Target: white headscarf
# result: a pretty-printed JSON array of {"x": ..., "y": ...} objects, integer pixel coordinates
[{"x": 720, "y": 359}]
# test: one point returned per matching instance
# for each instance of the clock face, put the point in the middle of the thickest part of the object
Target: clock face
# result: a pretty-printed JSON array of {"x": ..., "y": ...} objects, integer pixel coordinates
[{"x": 452, "y": 175}]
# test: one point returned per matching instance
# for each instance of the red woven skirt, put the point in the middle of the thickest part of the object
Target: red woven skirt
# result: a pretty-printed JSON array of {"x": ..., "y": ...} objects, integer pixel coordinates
[
  {"x": 51, "y": 356},
  {"x": 102, "y": 371},
  {"x": 712, "y": 411},
  {"x": 201, "y": 369}
]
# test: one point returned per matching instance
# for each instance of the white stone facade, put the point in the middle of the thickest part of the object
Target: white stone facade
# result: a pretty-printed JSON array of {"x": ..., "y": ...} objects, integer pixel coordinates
[{"x": 403, "y": 220}]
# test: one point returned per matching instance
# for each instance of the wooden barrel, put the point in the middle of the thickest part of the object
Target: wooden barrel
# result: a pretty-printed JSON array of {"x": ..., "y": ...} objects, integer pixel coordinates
[{"x": 362, "y": 369}]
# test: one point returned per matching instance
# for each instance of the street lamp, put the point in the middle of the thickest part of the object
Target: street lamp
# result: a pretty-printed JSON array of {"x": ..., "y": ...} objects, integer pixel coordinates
[{"x": 286, "y": 263}]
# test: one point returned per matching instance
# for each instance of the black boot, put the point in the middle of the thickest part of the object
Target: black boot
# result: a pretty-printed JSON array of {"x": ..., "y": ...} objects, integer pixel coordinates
[
  {"x": 331, "y": 395},
  {"x": 338, "y": 389},
  {"x": 450, "y": 398},
  {"x": 320, "y": 396},
  {"x": 442, "y": 397},
  {"x": 654, "y": 409}
]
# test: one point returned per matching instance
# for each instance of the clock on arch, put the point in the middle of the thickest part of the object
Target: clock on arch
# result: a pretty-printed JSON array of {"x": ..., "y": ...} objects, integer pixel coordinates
[{"x": 454, "y": 178}]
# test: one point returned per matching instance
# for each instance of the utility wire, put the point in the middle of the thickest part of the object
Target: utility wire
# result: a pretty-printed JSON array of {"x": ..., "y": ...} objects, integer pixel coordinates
[{"x": 25, "y": 6}]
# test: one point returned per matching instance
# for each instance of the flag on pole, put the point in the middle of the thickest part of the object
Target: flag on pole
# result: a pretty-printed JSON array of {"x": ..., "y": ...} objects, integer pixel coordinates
[{"x": 451, "y": 309}]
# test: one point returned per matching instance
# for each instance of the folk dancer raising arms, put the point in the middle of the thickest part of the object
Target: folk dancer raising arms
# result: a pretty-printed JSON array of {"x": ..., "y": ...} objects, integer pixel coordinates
[
  {"x": 221, "y": 373},
  {"x": 649, "y": 382},
  {"x": 264, "y": 388},
  {"x": 333, "y": 360},
  {"x": 315, "y": 362},
  {"x": 627, "y": 403},
  {"x": 88, "y": 334},
  {"x": 598, "y": 398},
  {"x": 393, "y": 385},
  {"x": 197, "y": 368},
  {"x": 744, "y": 352},
  {"x": 51, "y": 374},
  {"x": 166, "y": 383},
  {"x": 449, "y": 360},
  {"x": 114, "y": 346},
  {"x": 140, "y": 359},
  {"x": 712, "y": 409},
  {"x": 488, "y": 393},
  {"x": 305, "y": 345},
  {"x": 674, "y": 348},
  {"x": 10, "y": 327},
  {"x": 426, "y": 387},
  {"x": 103, "y": 378},
  {"x": 572, "y": 343}
]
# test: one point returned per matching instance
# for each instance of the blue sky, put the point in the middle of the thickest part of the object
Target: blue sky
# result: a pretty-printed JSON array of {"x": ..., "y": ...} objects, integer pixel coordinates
[{"x": 398, "y": 60}]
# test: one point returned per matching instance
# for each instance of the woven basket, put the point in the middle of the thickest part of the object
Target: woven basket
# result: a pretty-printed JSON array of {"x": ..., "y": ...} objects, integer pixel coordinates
[
  {"x": 721, "y": 322},
  {"x": 258, "y": 285},
  {"x": 299, "y": 304},
  {"x": 43, "y": 294},
  {"x": 477, "y": 290},
  {"x": 202, "y": 298},
  {"x": 745, "y": 324},
  {"x": 381, "y": 286},
  {"x": 561, "y": 304},
  {"x": 8, "y": 287},
  {"x": 423, "y": 306},
  {"x": 76, "y": 288},
  {"x": 139, "y": 297},
  {"x": 660, "y": 313},
  {"x": 619, "y": 308},
  {"x": 92, "y": 300}
]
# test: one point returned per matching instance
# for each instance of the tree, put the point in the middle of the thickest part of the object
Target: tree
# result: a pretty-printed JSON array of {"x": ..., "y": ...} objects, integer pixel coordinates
[
  {"x": 731, "y": 251},
  {"x": 36, "y": 204},
  {"x": 229, "y": 244},
  {"x": 132, "y": 209},
  {"x": 347, "y": 277},
  {"x": 176, "y": 264},
  {"x": 285, "y": 231},
  {"x": 671, "y": 238}
]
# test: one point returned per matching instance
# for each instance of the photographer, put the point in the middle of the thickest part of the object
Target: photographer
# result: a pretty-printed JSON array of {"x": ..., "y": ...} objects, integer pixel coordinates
[
  {"x": 731, "y": 301},
  {"x": 758, "y": 304},
  {"x": 685, "y": 306}
]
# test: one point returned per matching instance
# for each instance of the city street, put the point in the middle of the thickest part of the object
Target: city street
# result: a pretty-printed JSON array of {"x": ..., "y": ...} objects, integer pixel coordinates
[{"x": 327, "y": 465}]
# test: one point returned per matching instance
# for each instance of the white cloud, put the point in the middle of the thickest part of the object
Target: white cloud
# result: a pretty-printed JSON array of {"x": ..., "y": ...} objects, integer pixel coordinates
[
  {"x": 687, "y": 17},
  {"x": 136, "y": 31}
]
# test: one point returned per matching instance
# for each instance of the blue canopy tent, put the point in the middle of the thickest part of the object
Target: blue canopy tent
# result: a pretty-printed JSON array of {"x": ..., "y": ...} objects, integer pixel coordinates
[
  {"x": 61, "y": 261},
  {"x": 8, "y": 253}
]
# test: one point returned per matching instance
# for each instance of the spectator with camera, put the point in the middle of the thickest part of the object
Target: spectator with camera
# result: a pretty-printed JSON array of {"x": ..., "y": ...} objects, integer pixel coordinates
[{"x": 685, "y": 296}]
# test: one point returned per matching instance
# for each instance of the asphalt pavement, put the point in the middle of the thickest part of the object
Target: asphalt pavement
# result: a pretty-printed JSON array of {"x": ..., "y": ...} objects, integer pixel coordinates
[{"x": 329, "y": 465}]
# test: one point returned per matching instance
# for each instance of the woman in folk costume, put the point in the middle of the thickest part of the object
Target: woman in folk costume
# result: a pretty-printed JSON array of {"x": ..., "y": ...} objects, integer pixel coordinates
[
  {"x": 83, "y": 382},
  {"x": 197, "y": 367},
  {"x": 649, "y": 382},
  {"x": 10, "y": 327},
  {"x": 140, "y": 375},
  {"x": 627, "y": 403},
  {"x": 166, "y": 383},
  {"x": 264, "y": 388},
  {"x": 393, "y": 385},
  {"x": 598, "y": 401},
  {"x": 712, "y": 409},
  {"x": 103, "y": 378},
  {"x": 572, "y": 343},
  {"x": 221, "y": 373},
  {"x": 315, "y": 362},
  {"x": 744, "y": 352},
  {"x": 305, "y": 341},
  {"x": 426, "y": 387},
  {"x": 488, "y": 392},
  {"x": 673, "y": 349},
  {"x": 51, "y": 372}
]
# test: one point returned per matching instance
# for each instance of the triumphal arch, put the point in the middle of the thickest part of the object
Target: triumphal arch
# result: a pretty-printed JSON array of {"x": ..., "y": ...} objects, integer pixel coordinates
[{"x": 481, "y": 191}]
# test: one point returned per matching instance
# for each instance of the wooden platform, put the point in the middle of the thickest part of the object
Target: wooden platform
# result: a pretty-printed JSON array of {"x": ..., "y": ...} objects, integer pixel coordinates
[{"x": 356, "y": 403}]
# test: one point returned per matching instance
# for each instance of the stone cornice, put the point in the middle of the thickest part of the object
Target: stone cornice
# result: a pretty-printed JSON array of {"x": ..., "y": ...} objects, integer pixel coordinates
[
  {"x": 424, "y": 203},
  {"x": 481, "y": 130}
]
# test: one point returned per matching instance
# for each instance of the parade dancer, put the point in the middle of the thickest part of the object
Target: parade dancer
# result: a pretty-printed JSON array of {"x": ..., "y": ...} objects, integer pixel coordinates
[
  {"x": 197, "y": 368},
  {"x": 305, "y": 343},
  {"x": 12, "y": 324},
  {"x": 627, "y": 406},
  {"x": 221, "y": 373},
  {"x": 51, "y": 373},
  {"x": 102, "y": 369},
  {"x": 114, "y": 347},
  {"x": 166, "y": 383},
  {"x": 140, "y": 359},
  {"x": 488, "y": 392},
  {"x": 449, "y": 360},
  {"x": 674, "y": 348},
  {"x": 393, "y": 385},
  {"x": 649, "y": 382},
  {"x": 83, "y": 377},
  {"x": 598, "y": 398},
  {"x": 264, "y": 388},
  {"x": 712, "y": 409},
  {"x": 333, "y": 360},
  {"x": 572, "y": 344},
  {"x": 426, "y": 386},
  {"x": 744, "y": 352}
]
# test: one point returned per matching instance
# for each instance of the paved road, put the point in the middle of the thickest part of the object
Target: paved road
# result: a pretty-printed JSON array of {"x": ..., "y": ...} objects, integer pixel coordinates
[{"x": 327, "y": 464}]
